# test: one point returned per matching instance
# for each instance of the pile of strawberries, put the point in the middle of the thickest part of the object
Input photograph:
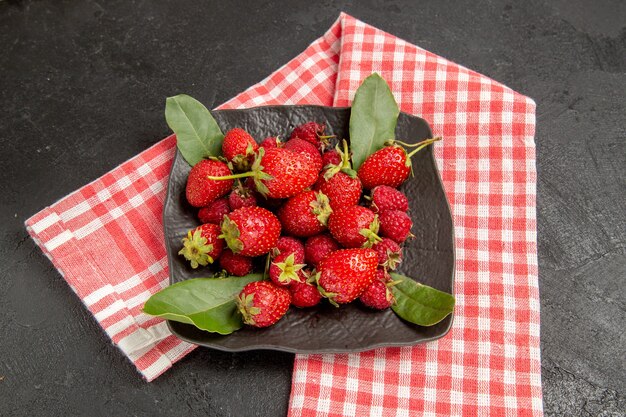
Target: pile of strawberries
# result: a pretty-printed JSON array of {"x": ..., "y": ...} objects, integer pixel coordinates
[{"x": 302, "y": 207}]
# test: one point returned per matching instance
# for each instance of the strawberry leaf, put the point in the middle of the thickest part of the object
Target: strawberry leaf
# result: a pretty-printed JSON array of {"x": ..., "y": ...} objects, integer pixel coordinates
[
  {"x": 207, "y": 303},
  {"x": 420, "y": 304},
  {"x": 197, "y": 134},
  {"x": 373, "y": 118}
]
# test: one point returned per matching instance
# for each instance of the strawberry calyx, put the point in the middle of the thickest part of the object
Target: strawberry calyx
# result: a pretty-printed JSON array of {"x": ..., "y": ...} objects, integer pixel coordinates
[
  {"x": 371, "y": 233},
  {"x": 418, "y": 146},
  {"x": 321, "y": 207},
  {"x": 393, "y": 260},
  {"x": 344, "y": 166},
  {"x": 196, "y": 250},
  {"x": 242, "y": 161},
  {"x": 245, "y": 303},
  {"x": 256, "y": 172},
  {"x": 329, "y": 295},
  {"x": 289, "y": 269},
  {"x": 231, "y": 233}
]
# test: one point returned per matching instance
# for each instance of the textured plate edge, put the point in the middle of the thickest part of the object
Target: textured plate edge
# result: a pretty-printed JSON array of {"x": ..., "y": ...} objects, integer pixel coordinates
[{"x": 168, "y": 199}]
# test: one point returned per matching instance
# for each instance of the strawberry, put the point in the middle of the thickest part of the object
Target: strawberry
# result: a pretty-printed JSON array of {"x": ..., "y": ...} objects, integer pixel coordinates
[
  {"x": 284, "y": 270},
  {"x": 241, "y": 197},
  {"x": 235, "y": 264},
  {"x": 308, "y": 149},
  {"x": 214, "y": 212},
  {"x": 339, "y": 182},
  {"x": 250, "y": 231},
  {"x": 344, "y": 274},
  {"x": 271, "y": 142},
  {"x": 278, "y": 173},
  {"x": 389, "y": 253},
  {"x": 382, "y": 275},
  {"x": 305, "y": 214},
  {"x": 262, "y": 303},
  {"x": 289, "y": 245},
  {"x": 311, "y": 132},
  {"x": 317, "y": 247},
  {"x": 354, "y": 227},
  {"x": 390, "y": 165},
  {"x": 331, "y": 157},
  {"x": 384, "y": 198},
  {"x": 200, "y": 189},
  {"x": 239, "y": 148},
  {"x": 377, "y": 295},
  {"x": 202, "y": 245},
  {"x": 304, "y": 294},
  {"x": 395, "y": 224}
]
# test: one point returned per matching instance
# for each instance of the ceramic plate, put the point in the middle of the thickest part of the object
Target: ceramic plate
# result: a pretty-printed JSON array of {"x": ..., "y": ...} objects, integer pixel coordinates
[{"x": 428, "y": 258}]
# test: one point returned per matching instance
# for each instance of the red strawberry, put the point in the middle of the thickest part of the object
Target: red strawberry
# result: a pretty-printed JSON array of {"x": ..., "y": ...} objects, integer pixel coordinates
[
  {"x": 251, "y": 231},
  {"x": 234, "y": 264},
  {"x": 305, "y": 214},
  {"x": 279, "y": 173},
  {"x": 341, "y": 190},
  {"x": 384, "y": 198},
  {"x": 340, "y": 182},
  {"x": 239, "y": 148},
  {"x": 289, "y": 245},
  {"x": 344, "y": 274},
  {"x": 308, "y": 149},
  {"x": 377, "y": 295},
  {"x": 395, "y": 224},
  {"x": 241, "y": 197},
  {"x": 390, "y": 165},
  {"x": 317, "y": 247},
  {"x": 202, "y": 246},
  {"x": 262, "y": 303},
  {"x": 354, "y": 227},
  {"x": 311, "y": 132},
  {"x": 304, "y": 294},
  {"x": 382, "y": 275},
  {"x": 331, "y": 157},
  {"x": 271, "y": 142},
  {"x": 200, "y": 189},
  {"x": 389, "y": 253},
  {"x": 214, "y": 212},
  {"x": 284, "y": 270}
]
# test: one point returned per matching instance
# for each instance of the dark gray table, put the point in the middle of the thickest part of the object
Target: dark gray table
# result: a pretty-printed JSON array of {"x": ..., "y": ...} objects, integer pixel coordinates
[{"x": 82, "y": 88}]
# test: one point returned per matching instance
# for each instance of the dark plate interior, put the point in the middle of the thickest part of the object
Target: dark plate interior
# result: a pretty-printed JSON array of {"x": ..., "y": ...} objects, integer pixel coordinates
[{"x": 429, "y": 258}]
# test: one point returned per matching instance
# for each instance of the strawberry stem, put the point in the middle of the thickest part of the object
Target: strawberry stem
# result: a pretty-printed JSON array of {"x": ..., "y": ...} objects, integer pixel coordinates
[
  {"x": 233, "y": 176},
  {"x": 421, "y": 145}
]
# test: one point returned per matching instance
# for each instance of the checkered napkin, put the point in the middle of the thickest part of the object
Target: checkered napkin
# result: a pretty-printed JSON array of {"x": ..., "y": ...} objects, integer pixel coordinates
[{"x": 488, "y": 364}]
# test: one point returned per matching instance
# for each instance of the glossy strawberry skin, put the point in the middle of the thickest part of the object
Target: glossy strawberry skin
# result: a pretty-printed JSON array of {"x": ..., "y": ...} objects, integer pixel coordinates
[
  {"x": 238, "y": 142},
  {"x": 377, "y": 296},
  {"x": 347, "y": 223},
  {"x": 344, "y": 274},
  {"x": 304, "y": 294},
  {"x": 310, "y": 132},
  {"x": 387, "y": 166},
  {"x": 341, "y": 190},
  {"x": 385, "y": 198},
  {"x": 307, "y": 149},
  {"x": 234, "y": 264},
  {"x": 396, "y": 225},
  {"x": 298, "y": 215},
  {"x": 200, "y": 190},
  {"x": 214, "y": 212},
  {"x": 271, "y": 301},
  {"x": 291, "y": 172},
  {"x": 289, "y": 245},
  {"x": 270, "y": 142},
  {"x": 257, "y": 227},
  {"x": 318, "y": 247}
]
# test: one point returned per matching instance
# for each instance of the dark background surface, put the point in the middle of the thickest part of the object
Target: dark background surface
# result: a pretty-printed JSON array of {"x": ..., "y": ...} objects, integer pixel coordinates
[{"x": 82, "y": 88}]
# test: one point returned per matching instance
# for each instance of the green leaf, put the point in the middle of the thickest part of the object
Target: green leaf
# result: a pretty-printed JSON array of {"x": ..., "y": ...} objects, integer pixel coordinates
[
  {"x": 373, "y": 118},
  {"x": 207, "y": 303},
  {"x": 420, "y": 304},
  {"x": 197, "y": 134}
]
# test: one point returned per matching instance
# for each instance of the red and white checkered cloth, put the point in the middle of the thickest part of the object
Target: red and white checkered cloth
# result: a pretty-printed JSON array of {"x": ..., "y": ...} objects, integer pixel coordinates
[{"x": 489, "y": 363}]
